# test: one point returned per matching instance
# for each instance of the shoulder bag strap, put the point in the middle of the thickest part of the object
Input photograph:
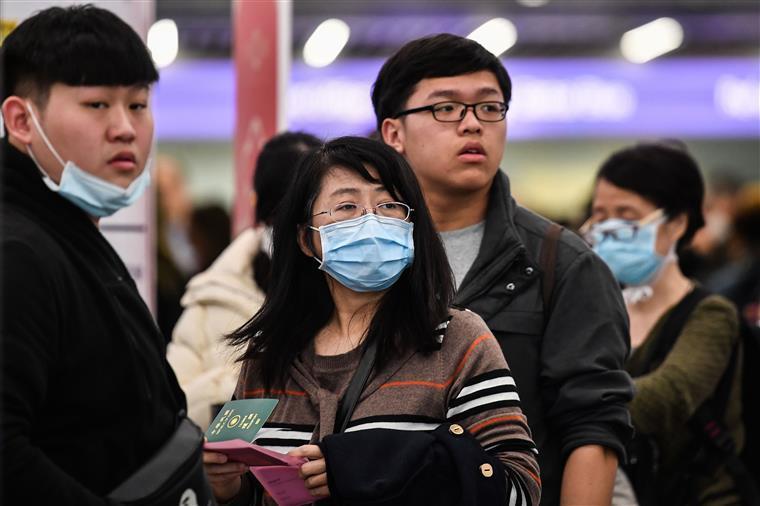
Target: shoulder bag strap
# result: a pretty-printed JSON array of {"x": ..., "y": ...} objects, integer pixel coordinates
[
  {"x": 348, "y": 402},
  {"x": 670, "y": 330}
]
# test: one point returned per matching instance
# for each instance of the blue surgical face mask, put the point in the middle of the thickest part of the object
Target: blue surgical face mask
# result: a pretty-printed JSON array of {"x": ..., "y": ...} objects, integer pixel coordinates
[
  {"x": 633, "y": 261},
  {"x": 366, "y": 254},
  {"x": 93, "y": 195}
]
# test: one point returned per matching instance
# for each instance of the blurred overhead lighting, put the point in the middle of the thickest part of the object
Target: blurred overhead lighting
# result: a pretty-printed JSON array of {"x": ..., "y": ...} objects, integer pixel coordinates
[
  {"x": 496, "y": 35},
  {"x": 326, "y": 43},
  {"x": 651, "y": 40},
  {"x": 533, "y": 3},
  {"x": 163, "y": 42}
]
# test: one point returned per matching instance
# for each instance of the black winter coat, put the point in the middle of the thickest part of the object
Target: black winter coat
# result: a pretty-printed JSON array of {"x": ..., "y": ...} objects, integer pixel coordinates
[
  {"x": 87, "y": 395},
  {"x": 567, "y": 359}
]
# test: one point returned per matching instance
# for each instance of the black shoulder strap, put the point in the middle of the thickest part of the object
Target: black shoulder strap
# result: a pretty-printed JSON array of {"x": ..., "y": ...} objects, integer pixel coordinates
[
  {"x": 670, "y": 330},
  {"x": 348, "y": 402},
  {"x": 547, "y": 261}
]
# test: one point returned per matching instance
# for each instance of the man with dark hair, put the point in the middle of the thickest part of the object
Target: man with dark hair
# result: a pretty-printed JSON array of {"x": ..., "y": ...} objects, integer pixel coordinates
[
  {"x": 556, "y": 310},
  {"x": 87, "y": 395}
]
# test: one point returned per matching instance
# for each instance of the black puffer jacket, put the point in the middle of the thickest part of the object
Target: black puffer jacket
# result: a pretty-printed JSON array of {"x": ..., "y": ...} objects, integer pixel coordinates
[
  {"x": 87, "y": 394},
  {"x": 567, "y": 359}
]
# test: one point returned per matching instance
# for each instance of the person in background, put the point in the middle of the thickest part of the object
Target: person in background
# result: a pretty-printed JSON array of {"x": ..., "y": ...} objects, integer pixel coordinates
[
  {"x": 87, "y": 395},
  {"x": 226, "y": 295},
  {"x": 739, "y": 282},
  {"x": 174, "y": 206},
  {"x": 646, "y": 208},
  {"x": 358, "y": 270},
  {"x": 739, "y": 278},
  {"x": 175, "y": 258},
  {"x": 170, "y": 280},
  {"x": 710, "y": 249},
  {"x": 209, "y": 233},
  {"x": 442, "y": 102}
]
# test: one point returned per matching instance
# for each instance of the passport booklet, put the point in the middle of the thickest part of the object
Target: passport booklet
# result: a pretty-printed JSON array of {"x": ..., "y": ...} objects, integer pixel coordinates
[{"x": 232, "y": 433}]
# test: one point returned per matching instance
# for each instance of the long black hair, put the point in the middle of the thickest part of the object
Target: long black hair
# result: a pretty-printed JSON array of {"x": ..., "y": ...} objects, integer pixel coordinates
[
  {"x": 275, "y": 168},
  {"x": 298, "y": 303}
]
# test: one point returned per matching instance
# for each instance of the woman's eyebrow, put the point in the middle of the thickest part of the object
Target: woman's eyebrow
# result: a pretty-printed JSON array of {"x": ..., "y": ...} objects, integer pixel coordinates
[
  {"x": 356, "y": 191},
  {"x": 345, "y": 191}
]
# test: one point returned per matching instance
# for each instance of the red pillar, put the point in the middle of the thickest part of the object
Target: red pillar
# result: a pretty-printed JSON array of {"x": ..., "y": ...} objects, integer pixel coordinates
[{"x": 258, "y": 48}]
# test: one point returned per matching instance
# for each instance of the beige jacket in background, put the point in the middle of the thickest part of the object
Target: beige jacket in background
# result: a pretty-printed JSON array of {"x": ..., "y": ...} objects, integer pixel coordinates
[{"x": 216, "y": 301}]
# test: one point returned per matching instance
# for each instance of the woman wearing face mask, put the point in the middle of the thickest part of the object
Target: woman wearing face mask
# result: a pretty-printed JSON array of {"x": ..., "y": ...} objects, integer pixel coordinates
[
  {"x": 360, "y": 282},
  {"x": 647, "y": 205}
]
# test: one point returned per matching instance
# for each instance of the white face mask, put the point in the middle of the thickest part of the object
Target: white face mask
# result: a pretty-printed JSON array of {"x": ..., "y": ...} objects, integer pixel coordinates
[{"x": 93, "y": 195}]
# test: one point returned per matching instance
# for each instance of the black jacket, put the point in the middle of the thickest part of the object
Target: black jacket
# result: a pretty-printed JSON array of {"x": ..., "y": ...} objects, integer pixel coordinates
[
  {"x": 444, "y": 467},
  {"x": 87, "y": 395},
  {"x": 567, "y": 359}
]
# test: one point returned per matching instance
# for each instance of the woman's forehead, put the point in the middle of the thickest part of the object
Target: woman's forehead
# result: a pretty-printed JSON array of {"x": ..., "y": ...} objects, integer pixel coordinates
[{"x": 341, "y": 180}]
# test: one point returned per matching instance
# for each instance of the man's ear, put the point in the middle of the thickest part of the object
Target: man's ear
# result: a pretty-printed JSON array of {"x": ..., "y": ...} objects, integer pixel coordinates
[
  {"x": 17, "y": 120},
  {"x": 392, "y": 131}
]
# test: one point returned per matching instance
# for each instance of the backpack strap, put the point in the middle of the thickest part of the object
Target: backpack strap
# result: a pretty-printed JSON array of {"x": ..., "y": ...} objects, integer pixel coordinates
[
  {"x": 547, "y": 261},
  {"x": 670, "y": 330}
]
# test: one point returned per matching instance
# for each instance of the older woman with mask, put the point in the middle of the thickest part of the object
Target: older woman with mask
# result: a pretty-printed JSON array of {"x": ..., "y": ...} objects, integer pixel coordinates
[
  {"x": 647, "y": 205},
  {"x": 360, "y": 282}
]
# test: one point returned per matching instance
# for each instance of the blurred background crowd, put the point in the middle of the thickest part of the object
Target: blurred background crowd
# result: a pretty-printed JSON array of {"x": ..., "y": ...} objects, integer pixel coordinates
[{"x": 590, "y": 76}]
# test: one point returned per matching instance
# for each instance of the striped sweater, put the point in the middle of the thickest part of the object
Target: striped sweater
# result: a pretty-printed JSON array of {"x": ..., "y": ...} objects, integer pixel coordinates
[{"x": 467, "y": 382}]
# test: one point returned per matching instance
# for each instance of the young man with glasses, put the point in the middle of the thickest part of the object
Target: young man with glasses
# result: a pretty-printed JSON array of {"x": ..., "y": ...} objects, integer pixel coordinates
[{"x": 441, "y": 101}]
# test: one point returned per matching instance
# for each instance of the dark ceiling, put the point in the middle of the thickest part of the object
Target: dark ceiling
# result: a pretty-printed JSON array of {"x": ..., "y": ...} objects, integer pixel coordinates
[{"x": 559, "y": 28}]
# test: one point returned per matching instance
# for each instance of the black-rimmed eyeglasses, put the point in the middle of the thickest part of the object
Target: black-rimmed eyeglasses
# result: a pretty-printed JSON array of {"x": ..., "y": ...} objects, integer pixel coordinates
[{"x": 451, "y": 112}]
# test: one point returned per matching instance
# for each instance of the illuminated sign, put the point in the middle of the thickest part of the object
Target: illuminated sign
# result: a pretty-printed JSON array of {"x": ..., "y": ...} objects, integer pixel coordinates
[{"x": 552, "y": 98}]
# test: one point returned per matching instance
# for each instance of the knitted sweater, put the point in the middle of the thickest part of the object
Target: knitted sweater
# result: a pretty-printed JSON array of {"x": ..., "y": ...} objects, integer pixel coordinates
[
  {"x": 467, "y": 381},
  {"x": 668, "y": 396}
]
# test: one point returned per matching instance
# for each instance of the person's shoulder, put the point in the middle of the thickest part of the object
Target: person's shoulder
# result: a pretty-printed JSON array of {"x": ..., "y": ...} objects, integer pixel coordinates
[
  {"x": 534, "y": 228},
  {"x": 463, "y": 328},
  {"x": 19, "y": 232},
  {"x": 469, "y": 343},
  {"x": 229, "y": 282},
  {"x": 715, "y": 306}
]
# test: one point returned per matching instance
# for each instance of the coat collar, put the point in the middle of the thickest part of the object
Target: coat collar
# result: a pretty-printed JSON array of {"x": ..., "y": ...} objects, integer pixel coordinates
[
  {"x": 23, "y": 187},
  {"x": 500, "y": 245}
]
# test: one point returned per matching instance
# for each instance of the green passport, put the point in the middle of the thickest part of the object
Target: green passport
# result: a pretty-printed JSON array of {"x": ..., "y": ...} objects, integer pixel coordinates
[{"x": 240, "y": 419}]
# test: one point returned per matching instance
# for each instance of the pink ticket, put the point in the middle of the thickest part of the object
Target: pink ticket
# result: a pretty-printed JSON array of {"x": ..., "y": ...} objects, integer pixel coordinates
[
  {"x": 239, "y": 451},
  {"x": 283, "y": 484}
]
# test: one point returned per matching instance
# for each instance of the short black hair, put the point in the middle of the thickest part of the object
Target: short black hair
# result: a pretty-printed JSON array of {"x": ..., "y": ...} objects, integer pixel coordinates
[
  {"x": 442, "y": 55},
  {"x": 275, "y": 168},
  {"x": 298, "y": 302},
  {"x": 665, "y": 174},
  {"x": 81, "y": 45}
]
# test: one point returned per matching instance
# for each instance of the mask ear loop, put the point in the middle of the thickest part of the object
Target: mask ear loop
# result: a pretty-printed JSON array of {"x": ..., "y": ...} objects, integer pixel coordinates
[
  {"x": 310, "y": 244},
  {"x": 44, "y": 137},
  {"x": 634, "y": 294}
]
